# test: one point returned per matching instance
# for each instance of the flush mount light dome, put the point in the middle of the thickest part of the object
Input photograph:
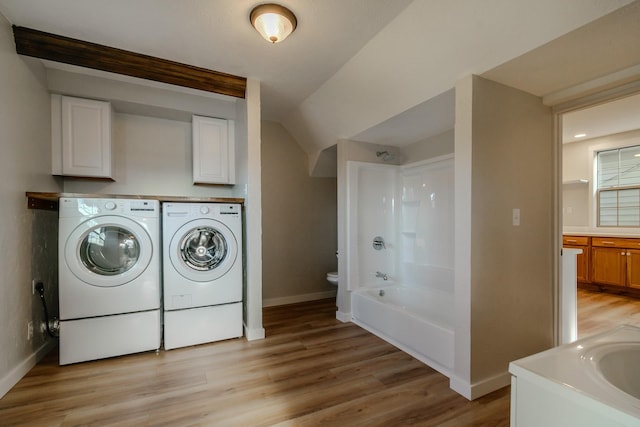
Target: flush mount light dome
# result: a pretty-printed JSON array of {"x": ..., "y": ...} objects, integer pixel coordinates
[{"x": 273, "y": 22}]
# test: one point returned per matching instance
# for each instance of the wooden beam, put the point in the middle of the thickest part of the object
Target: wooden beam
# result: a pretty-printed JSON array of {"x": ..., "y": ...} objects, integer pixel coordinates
[{"x": 43, "y": 45}]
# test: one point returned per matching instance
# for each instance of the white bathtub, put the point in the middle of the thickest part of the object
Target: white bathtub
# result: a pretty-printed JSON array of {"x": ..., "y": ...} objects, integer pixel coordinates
[{"x": 419, "y": 322}]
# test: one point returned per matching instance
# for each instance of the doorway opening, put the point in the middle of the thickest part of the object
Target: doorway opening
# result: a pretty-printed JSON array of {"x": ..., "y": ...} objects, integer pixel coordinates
[{"x": 607, "y": 294}]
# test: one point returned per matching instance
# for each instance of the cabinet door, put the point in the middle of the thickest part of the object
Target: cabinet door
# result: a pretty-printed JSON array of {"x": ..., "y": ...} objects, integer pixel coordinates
[
  {"x": 86, "y": 138},
  {"x": 213, "y": 151},
  {"x": 608, "y": 266},
  {"x": 633, "y": 268}
]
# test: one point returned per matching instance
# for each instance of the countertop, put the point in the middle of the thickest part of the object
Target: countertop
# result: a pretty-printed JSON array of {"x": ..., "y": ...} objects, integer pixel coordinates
[{"x": 631, "y": 234}]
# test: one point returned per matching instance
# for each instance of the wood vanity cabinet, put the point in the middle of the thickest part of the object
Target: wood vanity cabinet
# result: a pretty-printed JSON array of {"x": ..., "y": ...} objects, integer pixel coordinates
[
  {"x": 615, "y": 261},
  {"x": 582, "y": 260}
]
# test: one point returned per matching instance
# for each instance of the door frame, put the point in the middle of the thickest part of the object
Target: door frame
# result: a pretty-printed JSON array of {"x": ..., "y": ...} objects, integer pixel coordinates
[{"x": 577, "y": 98}]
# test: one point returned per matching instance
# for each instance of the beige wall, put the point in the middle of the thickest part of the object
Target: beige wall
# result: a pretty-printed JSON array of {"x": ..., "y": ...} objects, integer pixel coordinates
[
  {"x": 152, "y": 156},
  {"x": 437, "y": 145},
  {"x": 27, "y": 237},
  {"x": 510, "y": 152},
  {"x": 299, "y": 222}
]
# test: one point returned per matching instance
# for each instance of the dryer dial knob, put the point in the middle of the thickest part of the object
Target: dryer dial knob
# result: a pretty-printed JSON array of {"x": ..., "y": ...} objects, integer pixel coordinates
[
  {"x": 204, "y": 210},
  {"x": 110, "y": 206}
]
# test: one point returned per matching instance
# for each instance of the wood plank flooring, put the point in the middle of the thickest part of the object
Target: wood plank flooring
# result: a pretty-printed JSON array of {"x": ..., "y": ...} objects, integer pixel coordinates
[
  {"x": 310, "y": 370},
  {"x": 600, "y": 311}
]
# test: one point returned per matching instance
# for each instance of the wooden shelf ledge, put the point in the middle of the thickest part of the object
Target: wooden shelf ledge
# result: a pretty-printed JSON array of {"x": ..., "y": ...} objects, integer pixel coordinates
[{"x": 49, "y": 201}]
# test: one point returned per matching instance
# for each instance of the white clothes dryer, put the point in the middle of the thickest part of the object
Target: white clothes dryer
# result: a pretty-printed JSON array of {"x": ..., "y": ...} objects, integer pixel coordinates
[
  {"x": 109, "y": 277},
  {"x": 203, "y": 272}
]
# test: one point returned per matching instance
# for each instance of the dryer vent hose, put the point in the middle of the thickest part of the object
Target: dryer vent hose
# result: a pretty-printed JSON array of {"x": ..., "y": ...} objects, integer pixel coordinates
[{"x": 52, "y": 325}]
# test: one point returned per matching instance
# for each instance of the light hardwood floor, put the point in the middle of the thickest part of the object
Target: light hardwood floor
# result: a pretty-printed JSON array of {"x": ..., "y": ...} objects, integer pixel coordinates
[
  {"x": 310, "y": 370},
  {"x": 600, "y": 311}
]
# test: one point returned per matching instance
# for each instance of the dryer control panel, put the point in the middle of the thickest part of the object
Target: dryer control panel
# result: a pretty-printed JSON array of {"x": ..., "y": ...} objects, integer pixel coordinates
[
  {"x": 229, "y": 209},
  {"x": 143, "y": 206}
]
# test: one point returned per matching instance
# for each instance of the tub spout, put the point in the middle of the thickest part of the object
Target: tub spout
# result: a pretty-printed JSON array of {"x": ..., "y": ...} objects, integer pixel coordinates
[{"x": 384, "y": 276}]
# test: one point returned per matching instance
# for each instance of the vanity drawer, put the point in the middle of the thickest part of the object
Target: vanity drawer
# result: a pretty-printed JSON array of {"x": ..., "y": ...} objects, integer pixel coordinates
[
  {"x": 575, "y": 240},
  {"x": 615, "y": 242}
]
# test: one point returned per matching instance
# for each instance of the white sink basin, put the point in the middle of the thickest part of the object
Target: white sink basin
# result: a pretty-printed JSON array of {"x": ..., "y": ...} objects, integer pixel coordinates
[
  {"x": 594, "y": 381},
  {"x": 618, "y": 363}
]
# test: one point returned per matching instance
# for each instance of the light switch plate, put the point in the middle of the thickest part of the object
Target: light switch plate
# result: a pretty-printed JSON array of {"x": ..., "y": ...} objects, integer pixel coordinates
[{"x": 516, "y": 217}]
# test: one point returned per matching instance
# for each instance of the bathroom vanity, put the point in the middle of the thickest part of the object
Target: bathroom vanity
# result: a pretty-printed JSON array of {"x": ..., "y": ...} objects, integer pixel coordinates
[{"x": 592, "y": 382}]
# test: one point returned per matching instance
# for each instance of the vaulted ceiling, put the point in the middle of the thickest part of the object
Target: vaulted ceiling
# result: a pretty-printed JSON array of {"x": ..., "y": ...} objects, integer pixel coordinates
[{"x": 372, "y": 70}]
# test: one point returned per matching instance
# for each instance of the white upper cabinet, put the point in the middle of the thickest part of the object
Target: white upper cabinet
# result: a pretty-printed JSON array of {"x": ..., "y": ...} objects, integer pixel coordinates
[
  {"x": 213, "y": 151},
  {"x": 81, "y": 137}
]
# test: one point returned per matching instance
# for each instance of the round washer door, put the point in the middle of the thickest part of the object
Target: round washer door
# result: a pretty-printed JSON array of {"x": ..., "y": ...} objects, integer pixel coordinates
[
  {"x": 203, "y": 250},
  {"x": 108, "y": 251}
]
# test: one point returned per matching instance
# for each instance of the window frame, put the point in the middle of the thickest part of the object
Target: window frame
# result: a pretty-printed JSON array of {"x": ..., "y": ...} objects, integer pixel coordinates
[{"x": 617, "y": 189}]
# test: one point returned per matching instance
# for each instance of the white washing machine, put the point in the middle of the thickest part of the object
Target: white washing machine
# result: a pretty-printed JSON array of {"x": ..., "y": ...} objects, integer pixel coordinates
[
  {"x": 109, "y": 278},
  {"x": 203, "y": 270}
]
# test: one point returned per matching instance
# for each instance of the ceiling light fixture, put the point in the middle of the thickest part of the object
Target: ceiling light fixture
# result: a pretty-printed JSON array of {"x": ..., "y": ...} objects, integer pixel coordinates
[
  {"x": 580, "y": 135},
  {"x": 273, "y": 22}
]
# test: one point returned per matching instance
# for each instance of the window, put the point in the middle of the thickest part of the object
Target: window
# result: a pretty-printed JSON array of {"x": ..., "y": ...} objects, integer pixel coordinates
[{"x": 618, "y": 191}]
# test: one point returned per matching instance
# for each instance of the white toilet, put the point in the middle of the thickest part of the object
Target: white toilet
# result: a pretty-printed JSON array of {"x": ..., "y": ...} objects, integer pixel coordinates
[{"x": 333, "y": 278}]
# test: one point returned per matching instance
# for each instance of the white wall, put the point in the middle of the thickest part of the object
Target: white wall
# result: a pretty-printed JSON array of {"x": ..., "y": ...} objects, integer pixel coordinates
[
  {"x": 427, "y": 47},
  {"x": 251, "y": 143},
  {"x": 27, "y": 237}
]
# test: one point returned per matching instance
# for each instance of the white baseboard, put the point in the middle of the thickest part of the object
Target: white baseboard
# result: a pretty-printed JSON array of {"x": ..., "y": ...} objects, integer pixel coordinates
[
  {"x": 479, "y": 389},
  {"x": 343, "y": 317},
  {"x": 253, "y": 333},
  {"x": 272, "y": 302},
  {"x": 489, "y": 385},
  {"x": 16, "y": 374},
  {"x": 460, "y": 386}
]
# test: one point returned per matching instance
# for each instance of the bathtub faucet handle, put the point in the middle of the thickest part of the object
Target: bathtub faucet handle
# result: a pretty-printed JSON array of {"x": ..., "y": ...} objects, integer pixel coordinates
[{"x": 383, "y": 275}]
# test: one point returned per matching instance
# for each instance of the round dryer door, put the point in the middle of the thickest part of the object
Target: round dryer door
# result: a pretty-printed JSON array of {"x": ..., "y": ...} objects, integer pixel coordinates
[
  {"x": 203, "y": 250},
  {"x": 108, "y": 251}
]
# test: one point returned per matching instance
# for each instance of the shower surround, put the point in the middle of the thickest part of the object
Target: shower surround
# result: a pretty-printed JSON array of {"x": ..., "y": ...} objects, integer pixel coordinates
[{"x": 411, "y": 207}]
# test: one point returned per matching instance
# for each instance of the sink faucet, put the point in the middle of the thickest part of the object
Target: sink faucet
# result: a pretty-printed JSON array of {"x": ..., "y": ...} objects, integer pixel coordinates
[{"x": 384, "y": 276}]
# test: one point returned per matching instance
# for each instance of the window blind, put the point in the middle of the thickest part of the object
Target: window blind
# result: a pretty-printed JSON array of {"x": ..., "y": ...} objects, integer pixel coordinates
[{"x": 618, "y": 192}]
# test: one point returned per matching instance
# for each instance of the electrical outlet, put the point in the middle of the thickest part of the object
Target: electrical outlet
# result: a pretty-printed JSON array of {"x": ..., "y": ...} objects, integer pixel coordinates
[
  {"x": 30, "y": 330},
  {"x": 43, "y": 328}
]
